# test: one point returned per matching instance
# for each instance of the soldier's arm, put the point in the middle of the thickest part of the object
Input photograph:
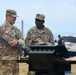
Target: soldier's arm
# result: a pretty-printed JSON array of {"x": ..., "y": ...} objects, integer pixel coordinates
[
  {"x": 28, "y": 39},
  {"x": 19, "y": 38},
  {"x": 51, "y": 36},
  {"x": 7, "y": 35}
]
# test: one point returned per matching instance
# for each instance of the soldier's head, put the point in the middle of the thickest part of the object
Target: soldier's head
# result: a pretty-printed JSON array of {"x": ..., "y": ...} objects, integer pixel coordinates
[
  {"x": 11, "y": 16},
  {"x": 39, "y": 20}
]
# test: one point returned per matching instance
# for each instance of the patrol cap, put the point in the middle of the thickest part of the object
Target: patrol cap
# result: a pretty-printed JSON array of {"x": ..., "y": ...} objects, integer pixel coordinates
[
  {"x": 40, "y": 16},
  {"x": 11, "y": 12}
]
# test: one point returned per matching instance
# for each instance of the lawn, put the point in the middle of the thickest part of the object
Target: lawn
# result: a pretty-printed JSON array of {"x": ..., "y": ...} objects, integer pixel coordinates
[{"x": 24, "y": 69}]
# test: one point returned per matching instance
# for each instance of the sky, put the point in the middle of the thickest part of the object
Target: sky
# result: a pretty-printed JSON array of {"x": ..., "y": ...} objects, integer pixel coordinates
[{"x": 60, "y": 15}]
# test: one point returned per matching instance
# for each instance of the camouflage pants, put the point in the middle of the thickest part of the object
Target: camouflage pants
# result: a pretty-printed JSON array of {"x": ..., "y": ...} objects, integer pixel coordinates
[{"x": 9, "y": 67}]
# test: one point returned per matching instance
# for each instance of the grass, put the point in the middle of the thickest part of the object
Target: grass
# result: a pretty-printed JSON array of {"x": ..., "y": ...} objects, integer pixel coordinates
[
  {"x": 24, "y": 69},
  {"x": 73, "y": 69}
]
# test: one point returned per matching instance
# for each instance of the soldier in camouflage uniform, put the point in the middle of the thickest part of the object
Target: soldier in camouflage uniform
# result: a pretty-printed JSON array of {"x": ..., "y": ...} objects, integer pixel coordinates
[
  {"x": 11, "y": 41},
  {"x": 40, "y": 32}
]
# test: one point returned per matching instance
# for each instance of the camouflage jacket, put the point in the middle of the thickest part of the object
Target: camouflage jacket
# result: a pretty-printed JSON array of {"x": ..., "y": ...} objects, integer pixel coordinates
[
  {"x": 8, "y": 31},
  {"x": 45, "y": 35}
]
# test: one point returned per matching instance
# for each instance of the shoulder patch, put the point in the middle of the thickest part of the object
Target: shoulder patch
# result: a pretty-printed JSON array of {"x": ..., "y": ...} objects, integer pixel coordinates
[{"x": 7, "y": 31}]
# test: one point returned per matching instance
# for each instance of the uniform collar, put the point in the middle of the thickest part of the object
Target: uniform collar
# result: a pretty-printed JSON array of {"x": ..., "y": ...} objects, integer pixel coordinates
[{"x": 8, "y": 24}]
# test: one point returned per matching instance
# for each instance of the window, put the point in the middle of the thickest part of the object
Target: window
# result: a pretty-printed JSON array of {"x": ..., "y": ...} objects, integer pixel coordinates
[{"x": 71, "y": 39}]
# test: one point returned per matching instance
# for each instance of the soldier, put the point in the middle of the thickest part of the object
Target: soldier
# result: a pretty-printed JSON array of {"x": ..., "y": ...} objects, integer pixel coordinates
[
  {"x": 39, "y": 33},
  {"x": 11, "y": 41}
]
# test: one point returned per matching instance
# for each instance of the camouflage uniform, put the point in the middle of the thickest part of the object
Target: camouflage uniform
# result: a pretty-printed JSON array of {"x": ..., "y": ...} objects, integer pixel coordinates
[
  {"x": 8, "y": 54},
  {"x": 45, "y": 35}
]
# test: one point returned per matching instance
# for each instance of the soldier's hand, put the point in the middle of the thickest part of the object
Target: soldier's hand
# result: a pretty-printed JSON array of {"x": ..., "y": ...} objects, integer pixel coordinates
[
  {"x": 38, "y": 40},
  {"x": 12, "y": 42}
]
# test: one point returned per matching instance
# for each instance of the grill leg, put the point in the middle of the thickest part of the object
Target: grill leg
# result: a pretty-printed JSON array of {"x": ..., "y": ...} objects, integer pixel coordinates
[
  {"x": 42, "y": 73},
  {"x": 59, "y": 73},
  {"x": 49, "y": 73}
]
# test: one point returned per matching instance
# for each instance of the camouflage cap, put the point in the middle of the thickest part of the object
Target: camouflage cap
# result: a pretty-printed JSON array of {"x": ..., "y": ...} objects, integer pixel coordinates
[
  {"x": 40, "y": 16},
  {"x": 11, "y": 12}
]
